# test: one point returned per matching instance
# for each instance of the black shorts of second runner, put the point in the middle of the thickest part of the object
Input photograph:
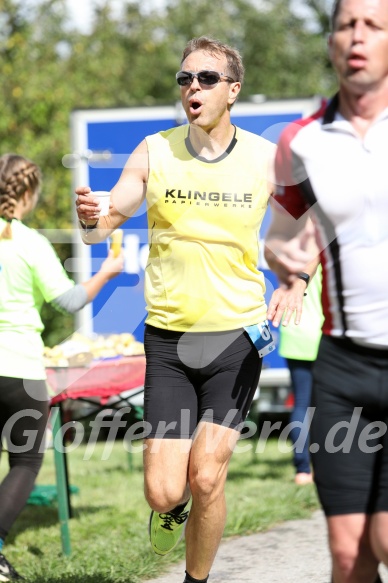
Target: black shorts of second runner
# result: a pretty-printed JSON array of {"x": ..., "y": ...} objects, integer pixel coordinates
[
  {"x": 349, "y": 437},
  {"x": 192, "y": 377}
]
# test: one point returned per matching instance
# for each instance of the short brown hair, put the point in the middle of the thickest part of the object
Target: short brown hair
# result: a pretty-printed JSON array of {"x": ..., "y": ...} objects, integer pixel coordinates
[
  {"x": 216, "y": 47},
  {"x": 17, "y": 174},
  {"x": 334, "y": 13}
]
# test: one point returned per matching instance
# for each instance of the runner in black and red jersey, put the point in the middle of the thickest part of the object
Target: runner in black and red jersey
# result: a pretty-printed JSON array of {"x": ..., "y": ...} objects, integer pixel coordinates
[{"x": 333, "y": 167}]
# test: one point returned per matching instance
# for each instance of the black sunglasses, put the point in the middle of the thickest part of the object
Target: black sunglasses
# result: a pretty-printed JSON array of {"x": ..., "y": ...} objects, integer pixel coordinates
[{"x": 204, "y": 78}]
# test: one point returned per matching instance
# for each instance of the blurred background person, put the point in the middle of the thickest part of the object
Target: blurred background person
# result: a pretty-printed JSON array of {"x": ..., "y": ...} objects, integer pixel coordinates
[
  {"x": 299, "y": 346},
  {"x": 300, "y": 334},
  {"x": 30, "y": 274}
]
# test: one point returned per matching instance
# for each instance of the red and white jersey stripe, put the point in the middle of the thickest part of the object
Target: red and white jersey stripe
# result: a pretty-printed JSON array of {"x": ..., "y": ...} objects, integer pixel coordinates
[{"x": 325, "y": 168}]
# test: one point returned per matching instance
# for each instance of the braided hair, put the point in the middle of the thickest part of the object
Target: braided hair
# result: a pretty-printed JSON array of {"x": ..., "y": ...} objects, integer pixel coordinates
[{"x": 17, "y": 175}]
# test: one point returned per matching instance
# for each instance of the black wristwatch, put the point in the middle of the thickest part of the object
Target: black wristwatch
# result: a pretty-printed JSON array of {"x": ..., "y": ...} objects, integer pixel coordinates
[
  {"x": 87, "y": 227},
  {"x": 304, "y": 276}
]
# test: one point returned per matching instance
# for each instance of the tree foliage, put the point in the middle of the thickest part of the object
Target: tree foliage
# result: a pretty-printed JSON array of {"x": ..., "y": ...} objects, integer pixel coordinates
[{"x": 48, "y": 69}]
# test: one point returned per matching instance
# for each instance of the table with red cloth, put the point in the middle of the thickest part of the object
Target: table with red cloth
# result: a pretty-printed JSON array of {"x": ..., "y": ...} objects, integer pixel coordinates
[
  {"x": 105, "y": 383},
  {"x": 102, "y": 379}
]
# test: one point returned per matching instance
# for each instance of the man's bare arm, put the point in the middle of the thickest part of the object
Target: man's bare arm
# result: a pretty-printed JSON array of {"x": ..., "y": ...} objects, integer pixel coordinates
[
  {"x": 126, "y": 198},
  {"x": 287, "y": 302},
  {"x": 288, "y": 299},
  {"x": 287, "y": 244}
]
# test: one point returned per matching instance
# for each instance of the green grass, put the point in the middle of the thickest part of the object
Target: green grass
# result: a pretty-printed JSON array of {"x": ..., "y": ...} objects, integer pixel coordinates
[{"x": 109, "y": 531}]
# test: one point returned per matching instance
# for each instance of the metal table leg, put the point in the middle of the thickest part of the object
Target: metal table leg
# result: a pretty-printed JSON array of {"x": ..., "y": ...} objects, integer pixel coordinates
[{"x": 61, "y": 478}]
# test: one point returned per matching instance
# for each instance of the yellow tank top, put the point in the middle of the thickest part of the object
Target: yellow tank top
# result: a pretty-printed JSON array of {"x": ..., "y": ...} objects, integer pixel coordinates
[{"x": 204, "y": 220}]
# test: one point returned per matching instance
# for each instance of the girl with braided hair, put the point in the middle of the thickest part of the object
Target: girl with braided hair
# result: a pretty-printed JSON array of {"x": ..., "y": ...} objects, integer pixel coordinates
[{"x": 30, "y": 274}]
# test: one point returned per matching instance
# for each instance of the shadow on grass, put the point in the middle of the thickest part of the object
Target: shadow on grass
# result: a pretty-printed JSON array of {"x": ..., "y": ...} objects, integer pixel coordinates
[
  {"x": 44, "y": 517},
  {"x": 124, "y": 470},
  {"x": 274, "y": 469}
]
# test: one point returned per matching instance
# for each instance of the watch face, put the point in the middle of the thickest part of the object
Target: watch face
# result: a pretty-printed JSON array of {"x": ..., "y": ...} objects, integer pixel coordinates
[
  {"x": 87, "y": 227},
  {"x": 304, "y": 276}
]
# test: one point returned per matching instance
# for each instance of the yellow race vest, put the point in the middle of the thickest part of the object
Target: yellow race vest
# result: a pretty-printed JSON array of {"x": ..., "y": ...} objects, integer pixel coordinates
[{"x": 204, "y": 219}]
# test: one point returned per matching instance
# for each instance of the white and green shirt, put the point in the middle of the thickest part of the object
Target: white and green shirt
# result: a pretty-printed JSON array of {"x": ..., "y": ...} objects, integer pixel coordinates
[
  {"x": 30, "y": 274},
  {"x": 301, "y": 342}
]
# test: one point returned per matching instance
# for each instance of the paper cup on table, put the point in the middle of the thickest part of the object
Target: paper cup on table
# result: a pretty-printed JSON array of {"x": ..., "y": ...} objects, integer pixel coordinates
[{"x": 103, "y": 200}]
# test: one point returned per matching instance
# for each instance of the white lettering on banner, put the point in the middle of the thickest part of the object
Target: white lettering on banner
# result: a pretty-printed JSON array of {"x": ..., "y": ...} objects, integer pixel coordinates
[
  {"x": 135, "y": 255},
  {"x": 144, "y": 252}
]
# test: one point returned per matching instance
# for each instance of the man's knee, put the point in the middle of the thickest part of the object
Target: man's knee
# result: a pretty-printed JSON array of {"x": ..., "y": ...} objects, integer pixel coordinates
[
  {"x": 163, "y": 497},
  {"x": 343, "y": 558},
  {"x": 205, "y": 483},
  {"x": 346, "y": 555}
]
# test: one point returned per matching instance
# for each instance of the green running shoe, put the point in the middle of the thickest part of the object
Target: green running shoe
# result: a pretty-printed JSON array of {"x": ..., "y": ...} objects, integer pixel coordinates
[{"x": 167, "y": 530}]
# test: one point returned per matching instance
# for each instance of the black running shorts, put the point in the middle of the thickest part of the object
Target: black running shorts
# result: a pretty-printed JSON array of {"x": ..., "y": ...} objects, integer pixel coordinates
[
  {"x": 197, "y": 376},
  {"x": 349, "y": 427}
]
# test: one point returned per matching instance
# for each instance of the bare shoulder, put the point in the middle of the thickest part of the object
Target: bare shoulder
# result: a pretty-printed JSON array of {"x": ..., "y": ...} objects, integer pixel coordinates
[{"x": 138, "y": 160}]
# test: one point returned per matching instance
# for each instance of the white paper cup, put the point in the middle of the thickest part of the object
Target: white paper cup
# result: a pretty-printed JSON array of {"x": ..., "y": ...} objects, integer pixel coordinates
[{"x": 103, "y": 200}]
